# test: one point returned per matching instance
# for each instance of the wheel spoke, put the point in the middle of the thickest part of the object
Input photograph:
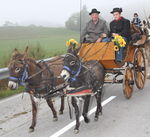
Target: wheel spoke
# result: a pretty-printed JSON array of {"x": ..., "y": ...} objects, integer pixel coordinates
[
  {"x": 140, "y": 61},
  {"x": 128, "y": 87},
  {"x": 142, "y": 73},
  {"x": 139, "y": 69},
  {"x": 140, "y": 80}
]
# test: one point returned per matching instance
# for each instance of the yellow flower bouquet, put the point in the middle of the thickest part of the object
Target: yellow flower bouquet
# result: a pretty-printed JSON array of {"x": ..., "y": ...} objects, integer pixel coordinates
[
  {"x": 119, "y": 42},
  {"x": 72, "y": 42}
]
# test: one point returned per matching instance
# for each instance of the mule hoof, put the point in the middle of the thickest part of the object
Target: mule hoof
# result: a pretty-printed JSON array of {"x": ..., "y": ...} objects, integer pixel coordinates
[
  {"x": 87, "y": 120},
  {"x": 76, "y": 131},
  {"x": 55, "y": 119},
  {"x": 60, "y": 112},
  {"x": 96, "y": 119},
  {"x": 31, "y": 129}
]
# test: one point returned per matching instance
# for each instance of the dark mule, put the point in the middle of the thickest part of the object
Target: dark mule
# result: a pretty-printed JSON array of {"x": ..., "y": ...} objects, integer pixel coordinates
[
  {"x": 88, "y": 74},
  {"x": 39, "y": 78}
]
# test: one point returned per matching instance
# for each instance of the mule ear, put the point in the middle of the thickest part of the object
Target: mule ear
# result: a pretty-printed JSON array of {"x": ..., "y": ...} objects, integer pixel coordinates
[
  {"x": 26, "y": 51},
  {"x": 76, "y": 49},
  {"x": 72, "y": 49},
  {"x": 15, "y": 51},
  {"x": 69, "y": 50}
]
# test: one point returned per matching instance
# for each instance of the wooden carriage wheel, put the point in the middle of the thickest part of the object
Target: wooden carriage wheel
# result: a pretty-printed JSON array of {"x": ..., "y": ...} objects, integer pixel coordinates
[
  {"x": 139, "y": 69},
  {"x": 128, "y": 82}
]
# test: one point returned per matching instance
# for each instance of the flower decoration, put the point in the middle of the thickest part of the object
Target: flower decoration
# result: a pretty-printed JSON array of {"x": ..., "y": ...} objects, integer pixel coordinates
[
  {"x": 116, "y": 48},
  {"x": 119, "y": 42},
  {"x": 71, "y": 42}
]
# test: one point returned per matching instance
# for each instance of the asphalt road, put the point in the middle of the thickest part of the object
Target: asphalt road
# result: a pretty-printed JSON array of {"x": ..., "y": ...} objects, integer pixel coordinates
[{"x": 121, "y": 117}]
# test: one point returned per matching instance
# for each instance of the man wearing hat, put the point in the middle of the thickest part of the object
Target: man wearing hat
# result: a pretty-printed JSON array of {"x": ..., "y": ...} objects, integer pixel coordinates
[
  {"x": 120, "y": 26},
  {"x": 95, "y": 30}
]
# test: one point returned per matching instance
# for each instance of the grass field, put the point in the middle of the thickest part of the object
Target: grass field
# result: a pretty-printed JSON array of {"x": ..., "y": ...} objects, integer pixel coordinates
[
  {"x": 51, "y": 40},
  {"x": 8, "y": 92}
]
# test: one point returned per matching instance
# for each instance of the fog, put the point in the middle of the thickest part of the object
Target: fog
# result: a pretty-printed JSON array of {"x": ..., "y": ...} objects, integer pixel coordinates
[{"x": 56, "y": 12}]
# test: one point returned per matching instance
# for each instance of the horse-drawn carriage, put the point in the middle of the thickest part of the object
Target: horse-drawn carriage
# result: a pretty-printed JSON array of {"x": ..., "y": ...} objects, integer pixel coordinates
[
  {"x": 91, "y": 65},
  {"x": 94, "y": 64},
  {"x": 132, "y": 67}
]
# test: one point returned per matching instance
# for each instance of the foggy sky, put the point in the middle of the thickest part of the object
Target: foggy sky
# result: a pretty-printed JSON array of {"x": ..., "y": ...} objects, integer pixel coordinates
[{"x": 56, "y": 12}]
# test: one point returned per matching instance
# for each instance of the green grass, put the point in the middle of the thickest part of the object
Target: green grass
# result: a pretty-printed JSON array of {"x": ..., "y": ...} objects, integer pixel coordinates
[
  {"x": 8, "y": 92},
  {"x": 52, "y": 40}
]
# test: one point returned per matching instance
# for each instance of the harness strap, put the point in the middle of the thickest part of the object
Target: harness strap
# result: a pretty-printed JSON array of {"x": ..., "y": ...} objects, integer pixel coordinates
[
  {"x": 52, "y": 80},
  {"x": 13, "y": 78},
  {"x": 71, "y": 71},
  {"x": 21, "y": 79},
  {"x": 77, "y": 74},
  {"x": 24, "y": 75},
  {"x": 74, "y": 73},
  {"x": 67, "y": 68}
]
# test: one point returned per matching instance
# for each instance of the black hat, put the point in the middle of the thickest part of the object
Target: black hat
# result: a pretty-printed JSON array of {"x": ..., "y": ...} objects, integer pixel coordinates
[
  {"x": 94, "y": 11},
  {"x": 135, "y": 14},
  {"x": 116, "y": 10}
]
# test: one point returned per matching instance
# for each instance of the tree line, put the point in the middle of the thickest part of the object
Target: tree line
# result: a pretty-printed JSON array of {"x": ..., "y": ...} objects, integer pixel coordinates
[{"x": 78, "y": 20}]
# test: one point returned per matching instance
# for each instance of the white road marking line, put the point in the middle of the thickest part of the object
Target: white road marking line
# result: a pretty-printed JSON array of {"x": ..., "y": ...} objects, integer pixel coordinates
[{"x": 69, "y": 126}]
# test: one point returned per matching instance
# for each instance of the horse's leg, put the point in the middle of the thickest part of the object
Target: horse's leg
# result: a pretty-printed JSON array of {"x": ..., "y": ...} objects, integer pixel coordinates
[
  {"x": 99, "y": 106},
  {"x": 34, "y": 113},
  {"x": 86, "y": 108},
  {"x": 74, "y": 103},
  {"x": 62, "y": 105},
  {"x": 50, "y": 104}
]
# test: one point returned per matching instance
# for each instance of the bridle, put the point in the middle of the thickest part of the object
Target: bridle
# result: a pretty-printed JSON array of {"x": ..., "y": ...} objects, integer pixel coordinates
[
  {"x": 74, "y": 73},
  {"x": 23, "y": 76}
]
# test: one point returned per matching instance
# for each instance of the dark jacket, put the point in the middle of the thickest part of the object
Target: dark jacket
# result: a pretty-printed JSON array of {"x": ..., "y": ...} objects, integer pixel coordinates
[{"x": 121, "y": 27}]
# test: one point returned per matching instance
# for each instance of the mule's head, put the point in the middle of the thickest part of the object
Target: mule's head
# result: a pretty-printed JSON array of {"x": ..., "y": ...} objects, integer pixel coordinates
[
  {"x": 17, "y": 69},
  {"x": 72, "y": 63}
]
